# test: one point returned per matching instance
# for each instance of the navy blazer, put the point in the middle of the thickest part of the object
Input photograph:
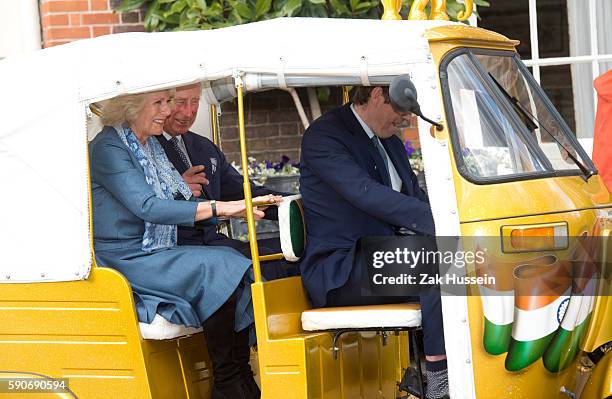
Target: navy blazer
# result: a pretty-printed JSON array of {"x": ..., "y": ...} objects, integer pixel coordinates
[
  {"x": 346, "y": 198},
  {"x": 225, "y": 182}
]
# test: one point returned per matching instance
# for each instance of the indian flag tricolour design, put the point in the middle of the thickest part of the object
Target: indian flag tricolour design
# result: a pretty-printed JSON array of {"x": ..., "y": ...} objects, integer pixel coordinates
[
  {"x": 498, "y": 309},
  {"x": 542, "y": 291},
  {"x": 564, "y": 347},
  {"x": 498, "y": 302}
]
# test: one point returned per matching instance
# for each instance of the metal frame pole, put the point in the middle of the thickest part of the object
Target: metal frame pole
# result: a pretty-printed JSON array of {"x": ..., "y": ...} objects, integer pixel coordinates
[{"x": 247, "y": 183}]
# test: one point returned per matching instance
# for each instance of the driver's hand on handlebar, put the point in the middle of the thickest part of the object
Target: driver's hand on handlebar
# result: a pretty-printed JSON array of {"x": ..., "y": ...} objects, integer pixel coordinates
[{"x": 195, "y": 178}]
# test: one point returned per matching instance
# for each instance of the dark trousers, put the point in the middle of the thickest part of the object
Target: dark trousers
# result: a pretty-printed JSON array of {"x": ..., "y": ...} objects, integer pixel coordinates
[
  {"x": 431, "y": 308},
  {"x": 271, "y": 270}
]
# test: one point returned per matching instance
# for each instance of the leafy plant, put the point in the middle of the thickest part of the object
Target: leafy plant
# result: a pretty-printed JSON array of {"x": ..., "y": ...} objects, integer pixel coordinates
[
  {"x": 165, "y": 15},
  {"x": 454, "y": 7}
]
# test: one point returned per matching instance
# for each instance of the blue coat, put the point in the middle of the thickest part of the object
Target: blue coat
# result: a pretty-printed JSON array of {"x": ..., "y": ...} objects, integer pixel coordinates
[
  {"x": 183, "y": 284},
  {"x": 346, "y": 198}
]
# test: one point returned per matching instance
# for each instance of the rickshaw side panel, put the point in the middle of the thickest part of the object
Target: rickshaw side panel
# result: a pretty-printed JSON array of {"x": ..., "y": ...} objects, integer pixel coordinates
[
  {"x": 178, "y": 368},
  {"x": 599, "y": 384},
  {"x": 281, "y": 349},
  {"x": 85, "y": 331},
  {"x": 551, "y": 195},
  {"x": 483, "y": 209},
  {"x": 291, "y": 358},
  {"x": 492, "y": 379},
  {"x": 600, "y": 332},
  {"x": 365, "y": 368}
]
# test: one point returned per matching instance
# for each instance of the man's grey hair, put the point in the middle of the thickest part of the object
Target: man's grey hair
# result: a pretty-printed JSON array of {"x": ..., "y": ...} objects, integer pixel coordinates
[{"x": 199, "y": 84}]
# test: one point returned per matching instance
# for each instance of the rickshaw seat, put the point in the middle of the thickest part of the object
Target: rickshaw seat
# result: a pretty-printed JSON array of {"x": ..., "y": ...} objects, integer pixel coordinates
[
  {"x": 380, "y": 318},
  {"x": 400, "y": 315},
  {"x": 340, "y": 320},
  {"x": 293, "y": 240},
  {"x": 161, "y": 329}
]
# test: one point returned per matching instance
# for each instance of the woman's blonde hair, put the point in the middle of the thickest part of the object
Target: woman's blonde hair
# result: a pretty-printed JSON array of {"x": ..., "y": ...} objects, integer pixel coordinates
[{"x": 126, "y": 108}]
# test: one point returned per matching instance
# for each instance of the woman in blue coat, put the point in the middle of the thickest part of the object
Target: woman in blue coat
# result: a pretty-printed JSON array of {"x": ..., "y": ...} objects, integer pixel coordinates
[{"x": 135, "y": 218}]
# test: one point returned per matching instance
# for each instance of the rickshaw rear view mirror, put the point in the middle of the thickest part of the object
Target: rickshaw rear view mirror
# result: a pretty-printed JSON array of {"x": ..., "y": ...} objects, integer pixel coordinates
[{"x": 403, "y": 97}]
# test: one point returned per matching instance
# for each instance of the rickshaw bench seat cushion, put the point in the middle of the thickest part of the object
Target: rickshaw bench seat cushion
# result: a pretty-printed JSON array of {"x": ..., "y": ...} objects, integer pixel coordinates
[
  {"x": 161, "y": 328},
  {"x": 356, "y": 317},
  {"x": 292, "y": 227}
]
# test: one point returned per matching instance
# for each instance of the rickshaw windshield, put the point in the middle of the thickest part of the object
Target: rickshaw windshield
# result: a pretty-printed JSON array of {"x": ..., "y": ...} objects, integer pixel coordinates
[{"x": 504, "y": 126}]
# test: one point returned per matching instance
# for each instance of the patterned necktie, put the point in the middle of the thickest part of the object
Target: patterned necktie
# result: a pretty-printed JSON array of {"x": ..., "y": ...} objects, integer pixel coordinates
[
  {"x": 383, "y": 155},
  {"x": 183, "y": 157}
]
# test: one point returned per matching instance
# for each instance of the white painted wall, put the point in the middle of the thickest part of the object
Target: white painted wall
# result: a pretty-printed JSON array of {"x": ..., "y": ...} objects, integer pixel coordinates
[{"x": 19, "y": 27}]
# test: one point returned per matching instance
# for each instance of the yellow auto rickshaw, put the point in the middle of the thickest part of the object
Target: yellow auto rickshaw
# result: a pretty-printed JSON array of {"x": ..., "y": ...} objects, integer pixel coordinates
[{"x": 489, "y": 173}]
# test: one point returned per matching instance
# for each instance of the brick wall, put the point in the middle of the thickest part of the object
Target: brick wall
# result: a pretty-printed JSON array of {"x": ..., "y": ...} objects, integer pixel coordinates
[
  {"x": 64, "y": 21},
  {"x": 273, "y": 126}
]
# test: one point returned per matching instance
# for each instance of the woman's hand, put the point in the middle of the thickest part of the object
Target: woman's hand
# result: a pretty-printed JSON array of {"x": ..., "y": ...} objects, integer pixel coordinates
[
  {"x": 237, "y": 209},
  {"x": 262, "y": 202}
]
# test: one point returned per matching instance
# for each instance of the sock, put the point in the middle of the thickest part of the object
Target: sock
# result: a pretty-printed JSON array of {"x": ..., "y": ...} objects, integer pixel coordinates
[{"x": 437, "y": 379}]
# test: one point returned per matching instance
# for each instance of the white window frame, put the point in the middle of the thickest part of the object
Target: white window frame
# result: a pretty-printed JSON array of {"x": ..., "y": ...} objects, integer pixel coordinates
[{"x": 594, "y": 58}]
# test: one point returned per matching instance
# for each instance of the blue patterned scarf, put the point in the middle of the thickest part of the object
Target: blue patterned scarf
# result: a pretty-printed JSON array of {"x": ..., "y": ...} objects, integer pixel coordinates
[{"x": 165, "y": 180}]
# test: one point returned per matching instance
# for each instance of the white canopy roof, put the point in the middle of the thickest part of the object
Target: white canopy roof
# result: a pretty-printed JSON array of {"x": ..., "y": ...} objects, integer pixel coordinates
[{"x": 44, "y": 211}]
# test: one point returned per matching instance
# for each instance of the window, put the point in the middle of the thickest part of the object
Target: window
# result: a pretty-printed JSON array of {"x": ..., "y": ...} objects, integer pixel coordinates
[
  {"x": 503, "y": 125},
  {"x": 549, "y": 130}
]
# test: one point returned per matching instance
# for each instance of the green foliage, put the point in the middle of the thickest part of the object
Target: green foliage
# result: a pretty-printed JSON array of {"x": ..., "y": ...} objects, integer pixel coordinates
[{"x": 167, "y": 15}]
